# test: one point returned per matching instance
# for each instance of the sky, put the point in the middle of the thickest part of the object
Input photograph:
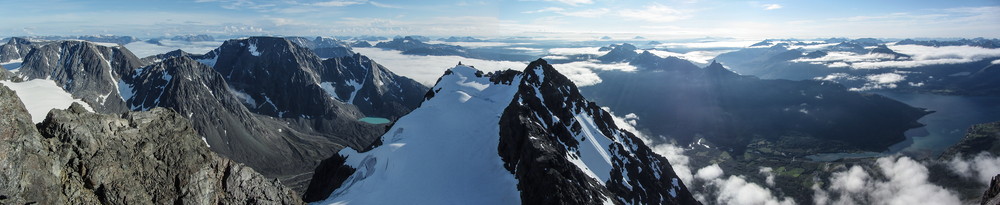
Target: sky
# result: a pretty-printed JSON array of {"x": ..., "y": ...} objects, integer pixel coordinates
[{"x": 620, "y": 19}]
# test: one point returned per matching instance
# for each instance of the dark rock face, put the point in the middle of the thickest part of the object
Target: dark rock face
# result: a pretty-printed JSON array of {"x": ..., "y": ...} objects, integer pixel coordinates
[
  {"x": 882, "y": 49},
  {"x": 280, "y": 76},
  {"x": 15, "y": 49},
  {"x": 153, "y": 157},
  {"x": 539, "y": 128},
  {"x": 86, "y": 70},
  {"x": 319, "y": 88},
  {"x": 375, "y": 90},
  {"x": 330, "y": 174},
  {"x": 619, "y": 53},
  {"x": 284, "y": 148},
  {"x": 979, "y": 138},
  {"x": 649, "y": 61},
  {"x": 992, "y": 194},
  {"x": 725, "y": 108},
  {"x": 5, "y": 74}
]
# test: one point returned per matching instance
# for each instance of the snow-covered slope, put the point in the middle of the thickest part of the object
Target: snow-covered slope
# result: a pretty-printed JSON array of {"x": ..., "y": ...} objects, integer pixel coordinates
[
  {"x": 442, "y": 153},
  {"x": 506, "y": 137},
  {"x": 39, "y": 96}
]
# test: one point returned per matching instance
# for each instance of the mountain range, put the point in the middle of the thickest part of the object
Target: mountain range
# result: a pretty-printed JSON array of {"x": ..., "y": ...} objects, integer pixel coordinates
[
  {"x": 281, "y": 124},
  {"x": 958, "y": 67}
]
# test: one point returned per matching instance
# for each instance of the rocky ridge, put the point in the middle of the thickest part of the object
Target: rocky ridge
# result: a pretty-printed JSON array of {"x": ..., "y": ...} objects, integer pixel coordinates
[{"x": 151, "y": 157}]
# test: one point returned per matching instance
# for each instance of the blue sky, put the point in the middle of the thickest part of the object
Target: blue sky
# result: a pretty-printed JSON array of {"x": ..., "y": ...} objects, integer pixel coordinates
[{"x": 670, "y": 19}]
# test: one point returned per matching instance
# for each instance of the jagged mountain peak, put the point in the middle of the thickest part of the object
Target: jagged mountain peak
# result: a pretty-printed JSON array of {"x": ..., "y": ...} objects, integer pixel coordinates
[
  {"x": 885, "y": 50},
  {"x": 619, "y": 53},
  {"x": 550, "y": 125},
  {"x": 15, "y": 49},
  {"x": 717, "y": 70},
  {"x": 18, "y": 40},
  {"x": 87, "y": 70},
  {"x": 651, "y": 62}
]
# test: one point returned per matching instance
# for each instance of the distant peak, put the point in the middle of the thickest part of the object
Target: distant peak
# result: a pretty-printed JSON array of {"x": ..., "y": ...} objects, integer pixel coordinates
[{"x": 540, "y": 61}]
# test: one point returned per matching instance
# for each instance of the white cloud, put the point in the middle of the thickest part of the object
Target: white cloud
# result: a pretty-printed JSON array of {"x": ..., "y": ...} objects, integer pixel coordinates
[
  {"x": 885, "y": 78},
  {"x": 144, "y": 49},
  {"x": 981, "y": 168},
  {"x": 737, "y": 191},
  {"x": 581, "y": 76},
  {"x": 655, "y": 13},
  {"x": 337, "y": 3},
  {"x": 573, "y": 2},
  {"x": 919, "y": 56},
  {"x": 679, "y": 161},
  {"x": 879, "y": 81},
  {"x": 905, "y": 183},
  {"x": 384, "y": 5},
  {"x": 427, "y": 69},
  {"x": 997, "y": 61},
  {"x": 577, "y": 51},
  {"x": 709, "y": 172},
  {"x": 693, "y": 56},
  {"x": 589, "y": 13},
  {"x": 836, "y": 76},
  {"x": 768, "y": 174},
  {"x": 771, "y": 6},
  {"x": 593, "y": 64}
]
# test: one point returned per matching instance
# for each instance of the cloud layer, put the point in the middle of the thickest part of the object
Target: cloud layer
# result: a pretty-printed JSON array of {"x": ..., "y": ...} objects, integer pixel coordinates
[
  {"x": 905, "y": 183},
  {"x": 920, "y": 56}
]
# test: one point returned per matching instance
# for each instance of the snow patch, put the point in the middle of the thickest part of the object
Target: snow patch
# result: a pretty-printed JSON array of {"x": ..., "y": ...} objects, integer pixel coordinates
[
  {"x": 458, "y": 150},
  {"x": 253, "y": 49},
  {"x": 39, "y": 96}
]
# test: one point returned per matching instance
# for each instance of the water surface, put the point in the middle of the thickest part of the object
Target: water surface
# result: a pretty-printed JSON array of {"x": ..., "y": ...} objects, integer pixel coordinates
[
  {"x": 374, "y": 120},
  {"x": 952, "y": 116}
]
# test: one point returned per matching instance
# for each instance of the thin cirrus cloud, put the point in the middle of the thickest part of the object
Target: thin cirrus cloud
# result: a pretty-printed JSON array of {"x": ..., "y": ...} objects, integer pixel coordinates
[
  {"x": 771, "y": 6},
  {"x": 655, "y": 13}
]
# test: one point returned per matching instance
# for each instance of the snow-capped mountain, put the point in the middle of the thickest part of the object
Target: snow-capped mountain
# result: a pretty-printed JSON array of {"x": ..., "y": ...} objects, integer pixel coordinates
[
  {"x": 15, "y": 49},
  {"x": 281, "y": 79},
  {"x": 371, "y": 87},
  {"x": 276, "y": 147},
  {"x": 505, "y": 137},
  {"x": 87, "y": 70},
  {"x": 245, "y": 113},
  {"x": 277, "y": 78}
]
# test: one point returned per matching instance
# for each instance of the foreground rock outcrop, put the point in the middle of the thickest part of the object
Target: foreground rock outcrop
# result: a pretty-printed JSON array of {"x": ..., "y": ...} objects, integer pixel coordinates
[
  {"x": 992, "y": 194},
  {"x": 152, "y": 157}
]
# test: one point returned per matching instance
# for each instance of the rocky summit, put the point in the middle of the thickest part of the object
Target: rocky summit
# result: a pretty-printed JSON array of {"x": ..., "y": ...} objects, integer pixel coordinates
[
  {"x": 505, "y": 137},
  {"x": 150, "y": 157}
]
